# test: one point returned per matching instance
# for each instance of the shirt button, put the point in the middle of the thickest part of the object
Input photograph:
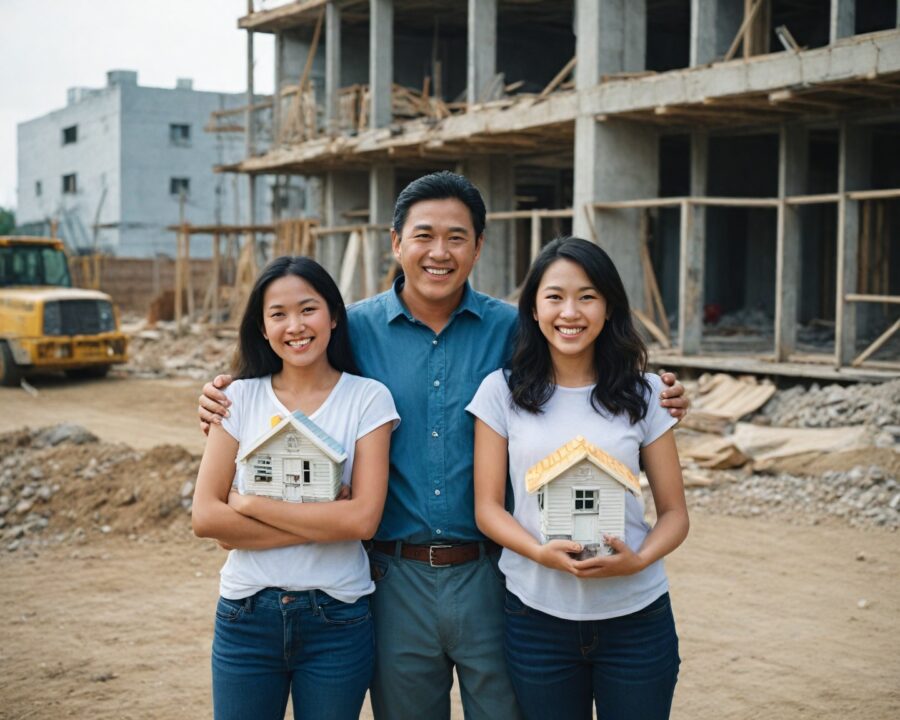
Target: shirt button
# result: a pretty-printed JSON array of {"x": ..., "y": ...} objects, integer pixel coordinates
[
  {"x": 434, "y": 342},
  {"x": 437, "y": 492},
  {"x": 438, "y": 531},
  {"x": 437, "y": 383},
  {"x": 434, "y": 433}
]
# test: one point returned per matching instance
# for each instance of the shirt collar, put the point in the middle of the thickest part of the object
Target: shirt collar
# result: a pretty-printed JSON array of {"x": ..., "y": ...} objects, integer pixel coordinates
[{"x": 471, "y": 302}]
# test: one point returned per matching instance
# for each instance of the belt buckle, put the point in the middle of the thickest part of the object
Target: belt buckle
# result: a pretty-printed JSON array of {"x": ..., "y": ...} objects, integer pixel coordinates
[{"x": 431, "y": 549}]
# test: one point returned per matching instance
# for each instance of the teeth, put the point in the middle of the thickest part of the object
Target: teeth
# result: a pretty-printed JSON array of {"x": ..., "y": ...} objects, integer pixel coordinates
[
  {"x": 570, "y": 331},
  {"x": 437, "y": 271},
  {"x": 299, "y": 343}
]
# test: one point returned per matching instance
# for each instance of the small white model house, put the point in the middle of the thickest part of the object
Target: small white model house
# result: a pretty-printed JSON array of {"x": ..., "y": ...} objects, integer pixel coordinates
[
  {"x": 295, "y": 461},
  {"x": 581, "y": 495}
]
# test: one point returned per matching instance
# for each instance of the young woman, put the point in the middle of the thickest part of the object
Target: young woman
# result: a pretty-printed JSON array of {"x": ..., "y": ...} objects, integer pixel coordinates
[
  {"x": 293, "y": 617},
  {"x": 601, "y": 628}
]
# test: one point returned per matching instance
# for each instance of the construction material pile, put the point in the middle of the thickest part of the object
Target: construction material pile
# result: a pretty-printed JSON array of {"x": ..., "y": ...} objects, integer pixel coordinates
[
  {"x": 198, "y": 351},
  {"x": 61, "y": 484}
]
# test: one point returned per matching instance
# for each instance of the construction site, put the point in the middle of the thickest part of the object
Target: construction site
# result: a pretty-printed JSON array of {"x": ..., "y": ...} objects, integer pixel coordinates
[{"x": 737, "y": 159}]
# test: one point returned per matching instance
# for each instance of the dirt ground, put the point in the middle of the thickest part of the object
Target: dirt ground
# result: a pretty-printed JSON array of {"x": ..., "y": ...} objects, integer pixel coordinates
[{"x": 776, "y": 620}]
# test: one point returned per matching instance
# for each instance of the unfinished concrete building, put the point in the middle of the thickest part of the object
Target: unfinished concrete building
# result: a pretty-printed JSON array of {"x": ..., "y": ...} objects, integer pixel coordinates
[{"x": 738, "y": 158}]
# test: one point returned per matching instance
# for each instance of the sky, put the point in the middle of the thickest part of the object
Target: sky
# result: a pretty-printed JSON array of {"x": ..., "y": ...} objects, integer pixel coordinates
[{"x": 48, "y": 46}]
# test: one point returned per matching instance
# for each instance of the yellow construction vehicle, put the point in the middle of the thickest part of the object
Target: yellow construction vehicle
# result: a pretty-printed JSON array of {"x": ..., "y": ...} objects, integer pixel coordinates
[{"x": 45, "y": 323}]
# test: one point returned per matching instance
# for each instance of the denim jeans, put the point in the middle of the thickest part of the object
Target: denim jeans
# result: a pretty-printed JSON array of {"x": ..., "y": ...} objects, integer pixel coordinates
[
  {"x": 430, "y": 620},
  {"x": 305, "y": 644},
  {"x": 628, "y": 665}
]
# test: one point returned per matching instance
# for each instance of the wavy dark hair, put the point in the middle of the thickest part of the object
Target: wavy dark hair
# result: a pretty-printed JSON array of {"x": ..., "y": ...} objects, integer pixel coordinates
[
  {"x": 620, "y": 357},
  {"x": 254, "y": 356}
]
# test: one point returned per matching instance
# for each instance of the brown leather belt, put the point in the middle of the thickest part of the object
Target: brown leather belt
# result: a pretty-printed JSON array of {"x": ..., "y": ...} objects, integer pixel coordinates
[{"x": 443, "y": 555}]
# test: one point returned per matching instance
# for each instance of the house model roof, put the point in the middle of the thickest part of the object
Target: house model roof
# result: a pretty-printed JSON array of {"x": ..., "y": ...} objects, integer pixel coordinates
[
  {"x": 572, "y": 453},
  {"x": 306, "y": 427}
]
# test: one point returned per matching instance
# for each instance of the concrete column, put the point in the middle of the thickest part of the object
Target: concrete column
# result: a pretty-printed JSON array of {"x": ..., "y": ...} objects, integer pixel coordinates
[
  {"x": 843, "y": 19},
  {"x": 792, "y": 180},
  {"x": 854, "y": 161},
  {"x": 343, "y": 191},
  {"x": 692, "y": 251},
  {"x": 610, "y": 37},
  {"x": 332, "y": 65},
  {"x": 382, "y": 193},
  {"x": 495, "y": 178},
  {"x": 615, "y": 160},
  {"x": 481, "y": 48},
  {"x": 714, "y": 23},
  {"x": 381, "y": 61}
]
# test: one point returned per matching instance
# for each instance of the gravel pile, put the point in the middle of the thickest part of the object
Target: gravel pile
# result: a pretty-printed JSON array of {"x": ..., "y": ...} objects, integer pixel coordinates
[
  {"x": 60, "y": 484},
  {"x": 863, "y": 497},
  {"x": 876, "y": 405},
  {"x": 199, "y": 352}
]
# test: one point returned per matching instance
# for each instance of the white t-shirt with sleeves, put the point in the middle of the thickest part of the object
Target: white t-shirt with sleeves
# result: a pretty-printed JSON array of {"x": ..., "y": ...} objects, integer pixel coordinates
[
  {"x": 354, "y": 408},
  {"x": 531, "y": 438}
]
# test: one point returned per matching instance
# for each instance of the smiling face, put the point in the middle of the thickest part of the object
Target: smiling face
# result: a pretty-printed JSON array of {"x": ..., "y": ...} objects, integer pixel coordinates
[
  {"x": 570, "y": 311},
  {"x": 296, "y": 322},
  {"x": 437, "y": 250}
]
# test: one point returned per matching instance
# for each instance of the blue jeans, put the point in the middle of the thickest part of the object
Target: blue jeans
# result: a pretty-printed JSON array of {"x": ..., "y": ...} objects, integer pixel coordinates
[
  {"x": 430, "y": 620},
  {"x": 628, "y": 665},
  {"x": 305, "y": 644}
]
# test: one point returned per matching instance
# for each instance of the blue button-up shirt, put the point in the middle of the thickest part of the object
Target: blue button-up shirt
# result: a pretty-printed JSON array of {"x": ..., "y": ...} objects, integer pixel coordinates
[{"x": 432, "y": 378}]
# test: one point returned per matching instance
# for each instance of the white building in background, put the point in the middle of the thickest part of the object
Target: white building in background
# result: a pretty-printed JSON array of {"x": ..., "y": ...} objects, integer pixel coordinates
[{"x": 112, "y": 165}]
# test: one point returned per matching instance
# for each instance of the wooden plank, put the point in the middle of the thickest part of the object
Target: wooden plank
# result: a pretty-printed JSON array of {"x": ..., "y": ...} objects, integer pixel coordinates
[
  {"x": 349, "y": 263},
  {"x": 661, "y": 337},
  {"x": 690, "y": 284},
  {"x": 559, "y": 77},
  {"x": 876, "y": 346},
  {"x": 873, "y": 194},
  {"x": 858, "y": 297},
  {"x": 535, "y": 236},
  {"x": 741, "y": 33}
]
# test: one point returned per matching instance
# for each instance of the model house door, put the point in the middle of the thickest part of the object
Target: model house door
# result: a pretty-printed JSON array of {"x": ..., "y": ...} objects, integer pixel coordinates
[
  {"x": 585, "y": 516},
  {"x": 293, "y": 480}
]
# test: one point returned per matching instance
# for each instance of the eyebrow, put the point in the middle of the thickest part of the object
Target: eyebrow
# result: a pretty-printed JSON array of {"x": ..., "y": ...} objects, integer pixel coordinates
[
  {"x": 301, "y": 302},
  {"x": 581, "y": 289},
  {"x": 455, "y": 228}
]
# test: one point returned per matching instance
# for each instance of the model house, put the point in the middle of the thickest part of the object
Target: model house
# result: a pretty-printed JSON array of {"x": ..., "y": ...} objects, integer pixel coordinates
[
  {"x": 581, "y": 493},
  {"x": 295, "y": 461}
]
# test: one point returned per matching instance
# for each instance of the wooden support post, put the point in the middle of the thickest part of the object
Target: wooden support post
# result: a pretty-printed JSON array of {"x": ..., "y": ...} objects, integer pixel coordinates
[
  {"x": 371, "y": 260},
  {"x": 690, "y": 285},
  {"x": 349, "y": 264},
  {"x": 875, "y": 346},
  {"x": 188, "y": 276},
  {"x": 216, "y": 269},
  {"x": 535, "y": 236},
  {"x": 179, "y": 287}
]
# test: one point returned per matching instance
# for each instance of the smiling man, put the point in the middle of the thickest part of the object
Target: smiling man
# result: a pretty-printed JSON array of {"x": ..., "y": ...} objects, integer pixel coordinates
[{"x": 432, "y": 339}]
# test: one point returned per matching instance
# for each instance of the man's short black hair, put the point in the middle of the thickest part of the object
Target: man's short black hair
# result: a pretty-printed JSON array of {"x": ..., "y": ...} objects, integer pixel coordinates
[{"x": 440, "y": 186}]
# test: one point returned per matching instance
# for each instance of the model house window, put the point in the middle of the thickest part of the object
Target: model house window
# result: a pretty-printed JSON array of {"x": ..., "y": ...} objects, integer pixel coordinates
[
  {"x": 541, "y": 500},
  {"x": 70, "y": 135},
  {"x": 38, "y": 188},
  {"x": 586, "y": 500},
  {"x": 179, "y": 186},
  {"x": 307, "y": 472},
  {"x": 69, "y": 184},
  {"x": 262, "y": 468},
  {"x": 180, "y": 134}
]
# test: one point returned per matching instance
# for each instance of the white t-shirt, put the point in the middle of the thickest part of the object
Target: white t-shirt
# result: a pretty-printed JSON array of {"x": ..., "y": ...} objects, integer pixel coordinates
[
  {"x": 531, "y": 438},
  {"x": 355, "y": 407}
]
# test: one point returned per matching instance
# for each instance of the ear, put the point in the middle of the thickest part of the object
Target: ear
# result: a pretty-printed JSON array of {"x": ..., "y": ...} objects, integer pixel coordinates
[
  {"x": 395, "y": 244},
  {"x": 479, "y": 243},
  {"x": 333, "y": 324}
]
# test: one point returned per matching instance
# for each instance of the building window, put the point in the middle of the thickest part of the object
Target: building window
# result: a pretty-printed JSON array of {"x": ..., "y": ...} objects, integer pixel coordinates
[
  {"x": 69, "y": 184},
  {"x": 70, "y": 135},
  {"x": 179, "y": 186},
  {"x": 38, "y": 188},
  {"x": 586, "y": 500},
  {"x": 307, "y": 472},
  {"x": 262, "y": 468},
  {"x": 180, "y": 135}
]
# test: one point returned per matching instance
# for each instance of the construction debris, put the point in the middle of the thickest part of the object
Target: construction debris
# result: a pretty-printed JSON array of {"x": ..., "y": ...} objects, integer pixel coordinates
[{"x": 723, "y": 400}]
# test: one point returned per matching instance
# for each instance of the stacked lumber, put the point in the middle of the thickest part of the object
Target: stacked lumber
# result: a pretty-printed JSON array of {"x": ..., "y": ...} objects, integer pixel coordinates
[{"x": 724, "y": 399}]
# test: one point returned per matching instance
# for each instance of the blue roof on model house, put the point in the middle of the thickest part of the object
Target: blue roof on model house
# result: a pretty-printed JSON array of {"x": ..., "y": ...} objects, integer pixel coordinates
[{"x": 302, "y": 424}]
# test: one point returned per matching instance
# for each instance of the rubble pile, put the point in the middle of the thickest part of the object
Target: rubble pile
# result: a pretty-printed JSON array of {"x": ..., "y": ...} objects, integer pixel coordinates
[
  {"x": 198, "y": 352},
  {"x": 61, "y": 484},
  {"x": 861, "y": 497},
  {"x": 837, "y": 406}
]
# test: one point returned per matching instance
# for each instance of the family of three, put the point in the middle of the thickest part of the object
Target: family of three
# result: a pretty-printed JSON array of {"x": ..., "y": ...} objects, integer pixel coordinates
[{"x": 443, "y": 398}]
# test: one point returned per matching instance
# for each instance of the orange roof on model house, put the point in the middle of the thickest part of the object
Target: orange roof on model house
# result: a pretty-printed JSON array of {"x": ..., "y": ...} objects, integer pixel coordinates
[{"x": 572, "y": 453}]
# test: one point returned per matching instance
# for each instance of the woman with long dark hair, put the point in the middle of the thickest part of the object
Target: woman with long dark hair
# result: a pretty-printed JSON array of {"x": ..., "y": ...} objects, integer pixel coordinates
[
  {"x": 293, "y": 614},
  {"x": 588, "y": 618}
]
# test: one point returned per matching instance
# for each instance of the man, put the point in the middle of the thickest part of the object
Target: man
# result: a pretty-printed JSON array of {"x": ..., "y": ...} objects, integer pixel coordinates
[{"x": 431, "y": 339}]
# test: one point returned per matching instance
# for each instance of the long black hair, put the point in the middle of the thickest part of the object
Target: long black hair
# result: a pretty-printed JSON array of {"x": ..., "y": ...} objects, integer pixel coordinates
[
  {"x": 255, "y": 357},
  {"x": 620, "y": 357}
]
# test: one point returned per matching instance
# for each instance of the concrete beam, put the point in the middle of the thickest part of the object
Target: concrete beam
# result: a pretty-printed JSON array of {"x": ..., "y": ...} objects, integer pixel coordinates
[
  {"x": 481, "y": 48},
  {"x": 692, "y": 252},
  {"x": 381, "y": 61},
  {"x": 854, "y": 165},
  {"x": 610, "y": 37},
  {"x": 843, "y": 19},
  {"x": 714, "y": 23},
  {"x": 495, "y": 179},
  {"x": 332, "y": 65},
  {"x": 792, "y": 180}
]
